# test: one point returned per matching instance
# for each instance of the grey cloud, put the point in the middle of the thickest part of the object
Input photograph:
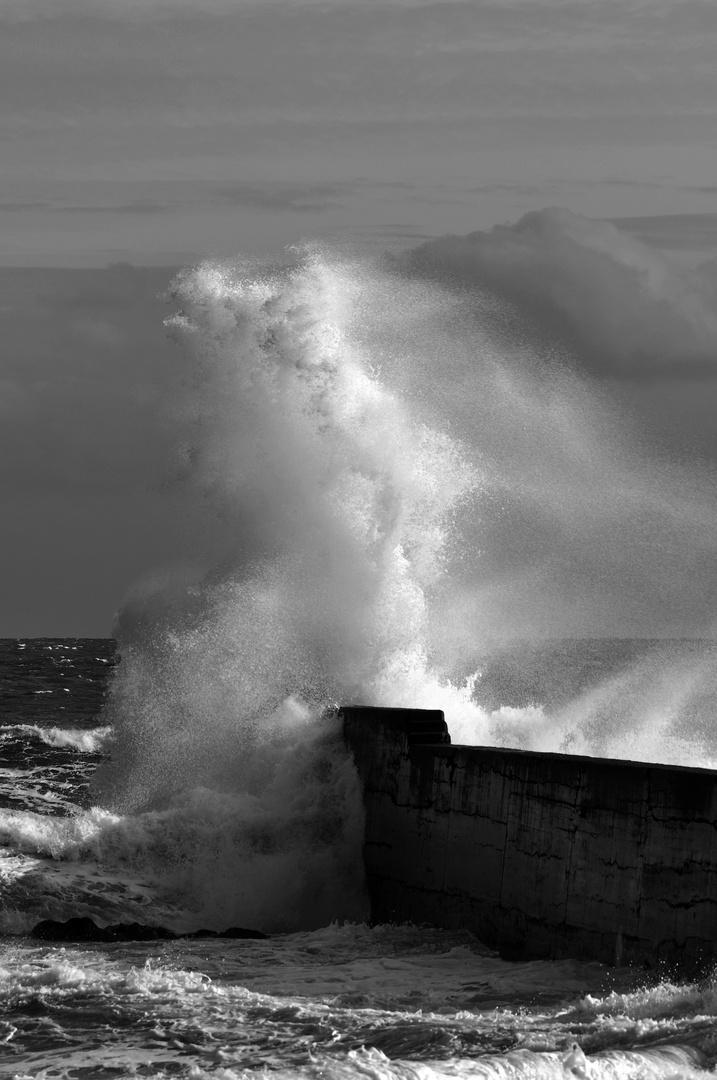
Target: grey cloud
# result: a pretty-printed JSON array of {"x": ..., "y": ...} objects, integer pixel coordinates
[
  {"x": 402, "y": 232},
  {"x": 264, "y": 194},
  {"x": 365, "y": 181},
  {"x": 519, "y": 189},
  {"x": 619, "y": 306},
  {"x": 59, "y": 208},
  {"x": 126, "y": 208},
  {"x": 278, "y": 196},
  {"x": 686, "y": 232}
]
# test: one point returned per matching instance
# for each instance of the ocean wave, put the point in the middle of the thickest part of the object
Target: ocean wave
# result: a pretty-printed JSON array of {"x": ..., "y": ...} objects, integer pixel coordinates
[
  {"x": 279, "y": 858},
  {"x": 222, "y": 1010},
  {"x": 84, "y": 740}
]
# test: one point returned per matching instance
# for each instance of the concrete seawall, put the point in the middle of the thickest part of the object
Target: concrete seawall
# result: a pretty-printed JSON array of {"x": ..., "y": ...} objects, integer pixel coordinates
[{"x": 542, "y": 855}]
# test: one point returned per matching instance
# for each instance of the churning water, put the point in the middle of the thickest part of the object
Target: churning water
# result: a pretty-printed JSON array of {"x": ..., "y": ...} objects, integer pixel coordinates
[{"x": 399, "y": 478}]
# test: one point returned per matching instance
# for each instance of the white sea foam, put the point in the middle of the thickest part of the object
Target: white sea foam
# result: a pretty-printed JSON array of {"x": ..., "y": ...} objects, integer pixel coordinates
[
  {"x": 373, "y": 1063},
  {"x": 85, "y": 740},
  {"x": 349, "y": 1002},
  {"x": 286, "y": 855}
]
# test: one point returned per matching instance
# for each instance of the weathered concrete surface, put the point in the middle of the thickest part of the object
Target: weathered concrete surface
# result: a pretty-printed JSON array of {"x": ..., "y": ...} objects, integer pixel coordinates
[{"x": 538, "y": 854}]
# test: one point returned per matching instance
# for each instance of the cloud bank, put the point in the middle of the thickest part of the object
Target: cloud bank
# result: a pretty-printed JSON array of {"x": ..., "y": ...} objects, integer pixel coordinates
[{"x": 619, "y": 306}]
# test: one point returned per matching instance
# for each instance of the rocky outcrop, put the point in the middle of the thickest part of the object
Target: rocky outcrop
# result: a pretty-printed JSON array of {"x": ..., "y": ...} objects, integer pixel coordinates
[
  {"x": 82, "y": 928},
  {"x": 543, "y": 855}
]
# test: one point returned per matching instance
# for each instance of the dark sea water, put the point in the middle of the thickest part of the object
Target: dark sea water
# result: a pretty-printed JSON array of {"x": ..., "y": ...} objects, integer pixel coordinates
[
  {"x": 51, "y": 693},
  {"x": 339, "y": 1000}
]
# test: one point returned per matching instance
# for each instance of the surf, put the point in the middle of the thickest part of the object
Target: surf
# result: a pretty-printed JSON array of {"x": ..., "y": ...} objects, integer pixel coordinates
[{"x": 394, "y": 476}]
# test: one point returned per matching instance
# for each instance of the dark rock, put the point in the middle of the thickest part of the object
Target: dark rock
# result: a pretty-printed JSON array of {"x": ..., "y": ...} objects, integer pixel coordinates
[{"x": 84, "y": 929}]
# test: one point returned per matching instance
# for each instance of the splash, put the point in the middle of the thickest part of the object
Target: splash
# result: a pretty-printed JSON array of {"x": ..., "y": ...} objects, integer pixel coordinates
[
  {"x": 342, "y": 501},
  {"x": 349, "y": 500},
  {"x": 394, "y": 475}
]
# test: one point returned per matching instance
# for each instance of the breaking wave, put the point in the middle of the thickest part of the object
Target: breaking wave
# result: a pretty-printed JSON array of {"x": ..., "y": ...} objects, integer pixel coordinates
[{"x": 395, "y": 474}]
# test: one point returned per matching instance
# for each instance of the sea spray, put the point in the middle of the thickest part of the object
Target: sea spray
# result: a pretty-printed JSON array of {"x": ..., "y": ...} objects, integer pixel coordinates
[
  {"x": 308, "y": 427},
  {"x": 224, "y": 735}
]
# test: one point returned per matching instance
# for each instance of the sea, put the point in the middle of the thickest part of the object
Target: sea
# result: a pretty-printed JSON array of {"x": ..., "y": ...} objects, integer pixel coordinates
[
  {"x": 399, "y": 491},
  {"x": 342, "y": 999}
]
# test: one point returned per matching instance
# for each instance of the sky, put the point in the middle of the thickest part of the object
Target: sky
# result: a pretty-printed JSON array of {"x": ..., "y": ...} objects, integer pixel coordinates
[
  {"x": 150, "y": 130},
  {"x": 141, "y": 135}
]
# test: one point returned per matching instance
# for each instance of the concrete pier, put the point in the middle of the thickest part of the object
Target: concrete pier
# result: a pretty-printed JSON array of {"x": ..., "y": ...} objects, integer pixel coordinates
[{"x": 540, "y": 855}]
